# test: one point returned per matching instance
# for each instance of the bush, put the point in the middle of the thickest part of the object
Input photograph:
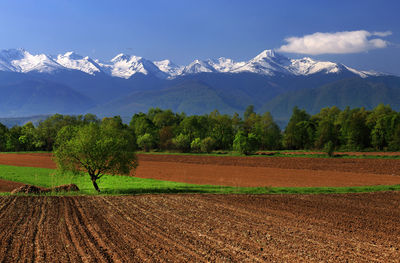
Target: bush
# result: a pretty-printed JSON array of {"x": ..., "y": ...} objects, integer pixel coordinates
[
  {"x": 207, "y": 145},
  {"x": 245, "y": 144},
  {"x": 329, "y": 148},
  {"x": 145, "y": 142},
  {"x": 182, "y": 142},
  {"x": 195, "y": 146}
]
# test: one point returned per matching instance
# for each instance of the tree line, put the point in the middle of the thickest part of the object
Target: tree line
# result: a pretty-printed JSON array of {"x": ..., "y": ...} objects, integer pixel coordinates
[{"x": 163, "y": 130}]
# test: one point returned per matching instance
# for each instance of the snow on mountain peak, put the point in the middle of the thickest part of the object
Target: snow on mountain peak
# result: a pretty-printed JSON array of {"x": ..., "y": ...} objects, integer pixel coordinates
[
  {"x": 198, "y": 66},
  {"x": 268, "y": 62},
  {"x": 224, "y": 64},
  {"x": 307, "y": 66},
  {"x": 169, "y": 67},
  {"x": 71, "y": 60},
  {"x": 124, "y": 66},
  {"x": 20, "y": 60},
  {"x": 268, "y": 53}
]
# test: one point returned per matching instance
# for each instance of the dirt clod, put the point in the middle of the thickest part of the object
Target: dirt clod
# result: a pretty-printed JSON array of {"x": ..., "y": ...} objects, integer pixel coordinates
[
  {"x": 28, "y": 189},
  {"x": 66, "y": 188}
]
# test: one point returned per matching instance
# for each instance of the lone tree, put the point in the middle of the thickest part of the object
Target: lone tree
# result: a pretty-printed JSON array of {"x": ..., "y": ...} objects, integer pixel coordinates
[{"x": 95, "y": 149}]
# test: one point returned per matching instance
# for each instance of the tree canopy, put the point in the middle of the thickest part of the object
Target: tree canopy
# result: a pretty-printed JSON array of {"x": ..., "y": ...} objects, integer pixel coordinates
[{"x": 95, "y": 149}]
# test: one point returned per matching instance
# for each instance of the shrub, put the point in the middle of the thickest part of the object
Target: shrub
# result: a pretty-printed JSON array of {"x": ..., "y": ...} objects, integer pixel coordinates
[
  {"x": 195, "y": 146},
  {"x": 182, "y": 142},
  {"x": 245, "y": 144},
  {"x": 329, "y": 148},
  {"x": 145, "y": 142},
  {"x": 207, "y": 145}
]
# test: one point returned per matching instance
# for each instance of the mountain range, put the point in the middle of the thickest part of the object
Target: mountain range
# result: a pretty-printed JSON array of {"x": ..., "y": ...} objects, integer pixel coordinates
[{"x": 73, "y": 84}]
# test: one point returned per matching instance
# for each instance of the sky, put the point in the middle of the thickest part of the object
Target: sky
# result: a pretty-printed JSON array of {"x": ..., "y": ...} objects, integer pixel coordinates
[{"x": 363, "y": 34}]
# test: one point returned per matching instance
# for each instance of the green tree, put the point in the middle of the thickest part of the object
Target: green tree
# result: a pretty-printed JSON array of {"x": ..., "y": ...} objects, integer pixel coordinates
[
  {"x": 29, "y": 138},
  {"x": 268, "y": 132},
  {"x": 13, "y": 144},
  {"x": 221, "y": 130},
  {"x": 299, "y": 133},
  {"x": 207, "y": 145},
  {"x": 195, "y": 145},
  {"x": 354, "y": 132},
  {"x": 245, "y": 144},
  {"x": 327, "y": 127},
  {"x": 182, "y": 142},
  {"x": 3, "y": 137},
  {"x": 47, "y": 130},
  {"x": 394, "y": 144},
  {"x": 248, "y": 112},
  {"x": 145, "y": 142},
  {"x": 96, "y": 150},
  {"x": 166, "y": 135},
  {"x": 329, "y": 148}
]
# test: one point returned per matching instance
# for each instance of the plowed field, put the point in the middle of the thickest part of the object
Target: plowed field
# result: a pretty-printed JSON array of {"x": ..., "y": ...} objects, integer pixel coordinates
[
  {"x": 249, "y": 171},
  {"x": 200, "y": 228}
]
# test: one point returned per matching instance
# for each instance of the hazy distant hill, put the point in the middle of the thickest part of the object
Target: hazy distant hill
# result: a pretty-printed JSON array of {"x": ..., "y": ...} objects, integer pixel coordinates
[{"x": 353, "y": 92}]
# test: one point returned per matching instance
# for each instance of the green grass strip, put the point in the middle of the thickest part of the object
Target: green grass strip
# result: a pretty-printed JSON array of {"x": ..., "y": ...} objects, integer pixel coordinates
[{"x": 124, "y": 185}]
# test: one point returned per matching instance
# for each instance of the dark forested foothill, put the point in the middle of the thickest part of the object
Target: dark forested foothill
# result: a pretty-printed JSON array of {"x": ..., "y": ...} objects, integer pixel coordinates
[{"x": 163, "y": 130}]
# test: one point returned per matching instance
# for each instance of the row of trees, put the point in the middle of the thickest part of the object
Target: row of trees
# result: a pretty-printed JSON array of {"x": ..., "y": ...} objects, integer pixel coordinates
[{"x": 348, "y": 129}]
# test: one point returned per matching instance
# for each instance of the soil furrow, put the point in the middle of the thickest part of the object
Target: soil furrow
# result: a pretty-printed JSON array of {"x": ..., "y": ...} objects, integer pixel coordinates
[
  {"x": 152, "y": 231},
  {"x": 201, "y": 228}
]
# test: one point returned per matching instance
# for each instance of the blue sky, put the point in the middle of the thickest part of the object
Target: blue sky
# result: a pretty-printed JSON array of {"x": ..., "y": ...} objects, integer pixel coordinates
[{"x": 183, "y": 30}]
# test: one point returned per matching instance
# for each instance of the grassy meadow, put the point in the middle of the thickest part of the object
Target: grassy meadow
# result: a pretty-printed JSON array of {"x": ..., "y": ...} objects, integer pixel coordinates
[{"x": 122, "y": 185}]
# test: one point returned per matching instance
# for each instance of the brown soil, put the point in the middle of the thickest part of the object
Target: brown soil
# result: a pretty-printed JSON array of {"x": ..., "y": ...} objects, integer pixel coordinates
[
  {"x": 41, "y": 160},
  {"x": 28, "y": 189},
  {"x": 201, "y": 228},
  {"x": 344, "y": 153},
  {"x": 250, "y": 171},
  {"x": 8, "y": 186}
]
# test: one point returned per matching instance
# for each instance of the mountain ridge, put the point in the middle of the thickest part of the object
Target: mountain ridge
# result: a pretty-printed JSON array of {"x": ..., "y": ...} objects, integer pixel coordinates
[
  {"x": 73, "y": 84},
  {"x": 268, "y": 62}
]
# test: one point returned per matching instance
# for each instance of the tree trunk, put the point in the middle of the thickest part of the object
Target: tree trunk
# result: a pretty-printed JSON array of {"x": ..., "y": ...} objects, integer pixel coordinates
[{"x": 95, "y": 184}]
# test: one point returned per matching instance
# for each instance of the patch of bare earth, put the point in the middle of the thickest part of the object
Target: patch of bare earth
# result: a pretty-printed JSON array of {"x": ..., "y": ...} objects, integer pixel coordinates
[
  {"x": 201, "y": 228},
  {"x": 8, "y": 186},
  {"x": 249, "y": 171}
]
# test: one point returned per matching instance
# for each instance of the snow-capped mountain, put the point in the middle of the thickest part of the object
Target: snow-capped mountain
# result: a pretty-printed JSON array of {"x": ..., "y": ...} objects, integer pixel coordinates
[
  {"x": 198, "y": 66},
  {"x": 169, "y": 67},
  {"x": 125, "y": 66},
  {"x": 268, "y": 63},
  {"x": 307, "y": 66},
  {"x": 20, "y": 60},
  {"x": 72, "y": 60},
  {"x": 225, "y": 64}
]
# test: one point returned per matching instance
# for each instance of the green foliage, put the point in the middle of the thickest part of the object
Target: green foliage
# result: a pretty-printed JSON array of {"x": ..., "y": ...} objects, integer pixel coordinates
[
  {"x": 268, "y": 132},
  {"x": 166, "y": 135},
  {"x": 299, "y": 133},
  {"x": 348, "y": 129},
  {"x": 145, "y": 142},
  {"x": 195, "y": 146},
  {"x": 329, "y": 148},
  {"x": 182, "y": 142},
  {"x": 3, "y": 137},
  {"x": 207, "y": 145},
  {"x": 221, "y": 130},
  {"x": 95, "y": 149},
  {"x": 245, "y": 144}
]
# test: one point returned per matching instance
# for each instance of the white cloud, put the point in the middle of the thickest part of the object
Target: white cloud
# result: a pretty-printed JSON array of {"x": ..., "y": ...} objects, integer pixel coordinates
[{"x": 335, "y": 43}]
